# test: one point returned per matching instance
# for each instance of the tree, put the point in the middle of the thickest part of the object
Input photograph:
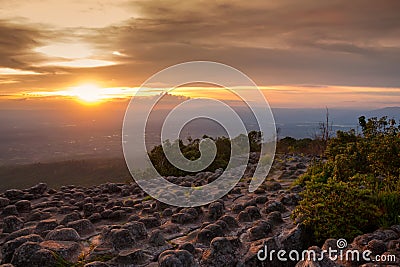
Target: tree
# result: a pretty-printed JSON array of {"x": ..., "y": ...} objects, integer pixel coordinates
[
  {"x": 326, "y": 128},
  {"x": 324, "y": 132}
]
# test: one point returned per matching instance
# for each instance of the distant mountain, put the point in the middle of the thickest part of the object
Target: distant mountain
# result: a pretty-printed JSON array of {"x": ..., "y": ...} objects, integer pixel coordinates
[
  {"x": 28, "y": 136},
  {"x": 390, "y": 112}
]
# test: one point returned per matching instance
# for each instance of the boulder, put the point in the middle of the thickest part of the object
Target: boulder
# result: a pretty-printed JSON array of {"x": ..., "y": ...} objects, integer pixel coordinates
[
  {"x": 9, "y": 210},
  {"x": 319, "y": 260},
  {"x": 23, "y": 206},
  {"x": 275, "y": 206},
  {"x": 18, "y": 233},
  {"x": 131, "y": 258},
  {"x": 181, "y": 258},
  {"x": 189, "y": 247},
  {"x": 14, "y": 194},
  {"x": 215, "y": 210},
  {"x": 230, "y": 221},
  {"x": 273, "y": 186},
  {"x": 83, "y": 227},
  {"x": 208, "y": 233},
  {"x": 12, "y": 224},
  {"x": 156, "y": 238},
  {"x": 254, "y": 212},
  {"x": 38, "y": 189},
  {"x": 377, "y": 247},
  {"x": 68, "y": 250},
  {"x": 32, "y": 254},
  {"x": 244, "y": 216},
  {"x": 39, "y": 215},
  {"x": 274, "y": 218},
  {"x": 251, "y": 257},
  {"x": 8, "y": 248},
  {"x": 137, "y": 230},
  {"x": 63, "y": 234},
  {"x": 261, "y": 229},
  {"x": 295, "y": 239},
  {"x": 182, "y": 218},
  {"x": 150, "y": 222},
  {"x": 121, "y": 239},
  {"x": 4, "y": 202},
  {"x": 44, "y": 226},
  {"x": 222, "y": 252}
]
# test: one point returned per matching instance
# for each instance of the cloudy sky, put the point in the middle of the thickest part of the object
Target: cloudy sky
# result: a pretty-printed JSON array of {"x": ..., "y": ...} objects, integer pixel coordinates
[{"x": 315, "y": 52}]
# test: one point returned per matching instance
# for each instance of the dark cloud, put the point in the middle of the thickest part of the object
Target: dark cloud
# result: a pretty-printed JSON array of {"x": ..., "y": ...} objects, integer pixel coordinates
[
  {"x": 316, "y": 42},
  {"x": 274, "y": 42},
  {"x": 16, "y": 44}
]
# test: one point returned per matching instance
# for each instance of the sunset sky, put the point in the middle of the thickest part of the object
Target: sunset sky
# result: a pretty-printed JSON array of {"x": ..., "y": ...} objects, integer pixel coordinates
[{"x": 301, "y": 53}]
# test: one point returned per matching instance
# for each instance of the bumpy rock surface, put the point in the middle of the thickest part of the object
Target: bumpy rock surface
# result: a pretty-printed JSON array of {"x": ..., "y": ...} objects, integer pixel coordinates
[
  {"x": 63, "y": 234},
  {"x": 117, "y": 224},
  {"x": 176, "y": 258}
]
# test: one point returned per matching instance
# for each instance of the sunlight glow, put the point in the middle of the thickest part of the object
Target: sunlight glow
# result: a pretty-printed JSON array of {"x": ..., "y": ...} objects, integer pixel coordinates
[
  {"x": 87, "y": 93},
  {"x": 117, "y": 53},
  {"x": 71, "y": 51},
  {"x": 90, "y": 93},
  {"x": 72, "y": 55},
  {"x": 69, "y": 14},
  {"x": 293, "y": 96},
  {"x": 82, "y": 63},
  {"x": 9, "y": 71}
]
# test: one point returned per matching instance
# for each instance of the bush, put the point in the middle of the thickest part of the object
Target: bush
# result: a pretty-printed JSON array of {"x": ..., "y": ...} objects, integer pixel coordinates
[
  {"x": 191, "y": 151},
  {"x": 299, "y": 146},
  {"x": 389, "y": 203},
  {"x": 318, "y": 172},
  {"x": 337, "y": 209},
  {"x": 356, "y": 189}
]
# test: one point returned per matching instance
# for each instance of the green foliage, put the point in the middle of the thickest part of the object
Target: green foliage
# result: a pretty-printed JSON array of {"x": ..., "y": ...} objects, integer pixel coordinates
[
  {"x": 357, "y": 187},
  {"x": 191, "y": 151},
  {"x": 147, "y": 198},
  {"x": 255, "y": 139},
  {"x": 298, "y": 146},
  {"x": 337, "y": 209},
  {"x": 61, "y": 262},
  {"x": 390, "y": 208}
]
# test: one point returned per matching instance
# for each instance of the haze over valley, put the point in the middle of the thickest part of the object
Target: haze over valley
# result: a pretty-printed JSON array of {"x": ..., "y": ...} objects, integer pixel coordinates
[{"x": 31, "y": 136}]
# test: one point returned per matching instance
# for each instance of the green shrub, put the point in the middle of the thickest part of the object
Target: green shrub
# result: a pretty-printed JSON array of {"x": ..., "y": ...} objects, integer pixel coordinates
[
  {"x": 389, "y": 204},
  {"x": 336, "y": 210},
  {"x": 318, "y": 172},
  {"x": 299, "y": 146},
  {"x": 191, "y": 151},
  {"x": 357, "y": 188}
]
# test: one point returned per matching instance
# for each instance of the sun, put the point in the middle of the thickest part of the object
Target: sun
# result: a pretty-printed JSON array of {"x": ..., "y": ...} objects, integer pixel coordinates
[{"x": 88, "y": 93}]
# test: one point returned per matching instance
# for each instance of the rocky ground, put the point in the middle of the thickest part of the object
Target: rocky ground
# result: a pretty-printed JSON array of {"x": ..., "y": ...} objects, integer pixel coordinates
[{"x": 119, "y": 225}]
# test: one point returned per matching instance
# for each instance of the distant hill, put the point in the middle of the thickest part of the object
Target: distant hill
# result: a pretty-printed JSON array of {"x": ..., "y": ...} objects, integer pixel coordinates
[
  {"x": 38, "y": 136},
  {"x": 390, "y": 112}
]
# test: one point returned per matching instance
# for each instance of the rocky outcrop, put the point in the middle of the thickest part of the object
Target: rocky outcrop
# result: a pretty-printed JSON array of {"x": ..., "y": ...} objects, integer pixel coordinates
[{"x": 119, "y": 225}]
